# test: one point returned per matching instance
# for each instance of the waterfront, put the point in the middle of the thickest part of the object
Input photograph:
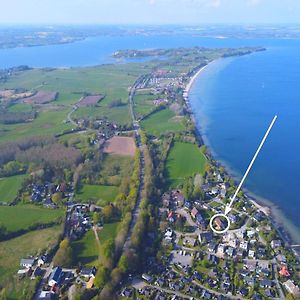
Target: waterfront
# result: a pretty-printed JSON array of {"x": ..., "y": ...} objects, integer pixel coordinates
[{"x": 233, "y": 101}]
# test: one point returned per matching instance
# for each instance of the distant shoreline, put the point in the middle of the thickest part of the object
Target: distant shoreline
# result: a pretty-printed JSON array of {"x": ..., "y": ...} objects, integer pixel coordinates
[{"x": 260, "y": 203}]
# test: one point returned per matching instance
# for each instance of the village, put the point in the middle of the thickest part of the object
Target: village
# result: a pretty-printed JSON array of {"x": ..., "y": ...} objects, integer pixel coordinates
[{"x": 198, "y": 263}]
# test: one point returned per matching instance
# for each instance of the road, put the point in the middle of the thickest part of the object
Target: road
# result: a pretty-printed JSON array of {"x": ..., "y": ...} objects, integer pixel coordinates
[{"x": 69, "y": 116}]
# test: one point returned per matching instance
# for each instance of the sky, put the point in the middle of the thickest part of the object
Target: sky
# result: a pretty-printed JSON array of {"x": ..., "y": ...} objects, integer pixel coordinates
[{"x": 149, "y": 11}]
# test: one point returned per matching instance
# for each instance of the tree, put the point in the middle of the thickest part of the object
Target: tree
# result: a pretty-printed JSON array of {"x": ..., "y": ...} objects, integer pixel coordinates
[
  {"x": 102, "y": 277},
  {"x": 64, "y": 254},
  {"x": 123, "y": 263},
  {"x": 108, "y": 250},
  {"x": 289, "y": 297},
  {"x": 57, "y": 197},
  {"x": 96, "y": 218},
  {"x": 116, "y": 276},
  {"x": 107, "y": 292},
  {"x": 108, "y": 213}
]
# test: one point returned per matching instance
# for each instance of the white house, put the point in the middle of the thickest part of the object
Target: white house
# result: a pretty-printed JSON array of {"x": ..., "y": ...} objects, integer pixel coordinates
[
  {"x": 27, "y": 262},
  {"x": 244, "y": 245}
]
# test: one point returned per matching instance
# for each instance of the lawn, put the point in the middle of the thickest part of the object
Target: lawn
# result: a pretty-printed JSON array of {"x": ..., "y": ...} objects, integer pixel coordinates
[
  {"x": 86, "y": 250},
  {"x": 109, "y": 231},
  {"x": 31, "y": 243},
  {"x": 184, "y": 160},
  {"x": 9, "y": 187},
  {"x": 104, "y": 193},
  {"x": 162, "y": 122},
  {"x": 15, "y": 218}
]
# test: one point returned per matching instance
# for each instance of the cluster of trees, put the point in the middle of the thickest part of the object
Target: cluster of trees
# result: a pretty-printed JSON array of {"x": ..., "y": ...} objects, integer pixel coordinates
[
  {"x": 12, "y": 168},
  {"x": 64, "y": 254},
  {"x": 115, "y": 103},
  {"x": 113, "y": 268},
  {"x": 7, "y": 117},
  {"x": 9, "y": 151},
  {"x": 55, "y": 155}
]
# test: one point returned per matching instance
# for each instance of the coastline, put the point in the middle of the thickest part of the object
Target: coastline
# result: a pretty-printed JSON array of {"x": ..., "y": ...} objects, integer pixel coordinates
[{"x": 265, "y": 206}]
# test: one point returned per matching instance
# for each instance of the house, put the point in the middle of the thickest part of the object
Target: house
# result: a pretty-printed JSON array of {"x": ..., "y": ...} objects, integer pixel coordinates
[
  {"x": 281, "y": 258},
  {"x": 258, "y": 217},
  {"x": 206, "y": 295},
  {"x": 90, "y": 283},
  {"x": 233, "y": 243},
  {"x": 188, "y": 241},
  {"x": 215, "y": 190},
  {"x": 250, "y": 265},
  {"x": 244, "y": 245},
  {"x": 211, "y": 247},
  {"x": 43, "y": 260},
  {"x": 240, "y": 253},
  {"x": 171, "y": 217},
  {"x": 169, "y": 233},
  {"x": 205, "y": 237},
  {"x": 194, "y": 212},
  {"x": 55, "y": 276},
  {"x": 27, "y": 262},
  {"x": 244, "y": 292},
  {"x": 269, "y": 293},
  {"x": 251, "y": 254},
  {"x": 221, "y": 249},
  {"x": 166, "y": 197},
  {"x": 37, "y": 272},
  {"x": 233, "y": 218},
  {"x": 200, "y": 221},
  {"x": 266, "y": 283},
  {"x": 223, "y": 193},
  {"x": 251, "y": 233},
  {"x": 284, "y": 271},
  {"x": 213, "y": 259},
  {"x": 46, "y": 295},
  {"x": 178, "y": 198},
  {"x": 147, "y": 278},
  {"x": 220, "y": 225},
  {"x": 291, "y": 287},
  {"x": 187, "y": 205},
  {"x": 276, "y": 244},
  {"x": 88, "y": 272},
  {"x": 249, "y": 280},
  {"x": 230, "y": 251},
  {"x": 240, "y": 234},
  {"x": 126, "y": 293}
]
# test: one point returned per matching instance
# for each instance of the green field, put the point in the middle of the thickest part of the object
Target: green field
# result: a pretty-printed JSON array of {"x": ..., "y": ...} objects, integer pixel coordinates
[
  {"x": 86, "y": 250},
  {"x": 31, "y": 243},
  {"x": 184, "y": 160},
  {"x": 112, "y": 81},
  {"x": 104, "y": 193},
  {"x": 9, "y": 187},
  {"x": 46, "y": 123},
  {"x": 20, "y": 107},
  {"x": 144, "y": 104},
  {"x": 162, "y": 122},
  {"x": 15, "y": 218}
]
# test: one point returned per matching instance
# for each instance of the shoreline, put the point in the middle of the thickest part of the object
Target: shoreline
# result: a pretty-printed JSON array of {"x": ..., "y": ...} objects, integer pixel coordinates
[{"x": 273, "y": 213}]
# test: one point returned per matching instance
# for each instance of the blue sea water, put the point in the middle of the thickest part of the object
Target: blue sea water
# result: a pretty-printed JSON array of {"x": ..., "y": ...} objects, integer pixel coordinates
[{"x": 234, "y": 101}]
